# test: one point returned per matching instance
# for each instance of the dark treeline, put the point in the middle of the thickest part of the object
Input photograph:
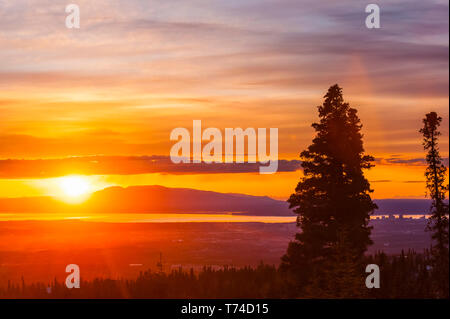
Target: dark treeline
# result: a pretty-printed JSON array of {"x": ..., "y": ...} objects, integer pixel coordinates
[{"x": 404, "y": 276}]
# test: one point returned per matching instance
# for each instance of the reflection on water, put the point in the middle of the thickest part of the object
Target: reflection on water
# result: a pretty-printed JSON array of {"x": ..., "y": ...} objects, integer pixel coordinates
[
  {"x": 153, "y": 218},
  {"x": 176, "y": 218}
]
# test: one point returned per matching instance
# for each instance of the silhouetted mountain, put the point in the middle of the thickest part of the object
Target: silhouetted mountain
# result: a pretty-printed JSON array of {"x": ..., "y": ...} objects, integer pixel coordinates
[
  {"x": 159, "y": 199},
  {"x": 403, "y": 206},
  {"x": 153, "y": 199}
]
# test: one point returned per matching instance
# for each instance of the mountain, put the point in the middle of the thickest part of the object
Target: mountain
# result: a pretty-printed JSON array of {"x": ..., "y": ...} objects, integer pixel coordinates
[
  {"x": 159, "y": 199},
  {"x": 403, "y": 206},
  {"x": 152, "y": 199}
]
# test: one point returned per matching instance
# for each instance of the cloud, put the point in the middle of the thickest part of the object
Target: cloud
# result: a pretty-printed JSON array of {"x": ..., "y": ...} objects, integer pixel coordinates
[
  {"x": 139, "y": 64},
  {"x": 125, "y": 165},
  {"x": 408, "y": 161},
  {"x": 264, "y": 44}
]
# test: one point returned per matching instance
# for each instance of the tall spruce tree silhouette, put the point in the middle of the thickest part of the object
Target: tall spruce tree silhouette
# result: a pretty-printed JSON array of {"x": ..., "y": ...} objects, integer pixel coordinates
[
  {"x": 333, "y": 205},
  {"x": 438, "y": 222}
]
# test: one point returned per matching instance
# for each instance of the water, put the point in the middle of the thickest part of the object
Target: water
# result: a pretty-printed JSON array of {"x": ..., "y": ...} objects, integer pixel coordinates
[
  {"x": 152, "y": 218},
  {"x": 172, "y": 218}
]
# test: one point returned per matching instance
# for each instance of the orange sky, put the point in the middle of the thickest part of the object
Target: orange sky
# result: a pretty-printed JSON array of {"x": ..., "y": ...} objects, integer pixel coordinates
[{"x": 135, "y": 70}]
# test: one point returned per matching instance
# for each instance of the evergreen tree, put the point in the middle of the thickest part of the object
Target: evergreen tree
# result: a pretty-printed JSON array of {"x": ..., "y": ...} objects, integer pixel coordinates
[
  {"x": 333, "y": 205},
  {"x": 438, "y": 222}
]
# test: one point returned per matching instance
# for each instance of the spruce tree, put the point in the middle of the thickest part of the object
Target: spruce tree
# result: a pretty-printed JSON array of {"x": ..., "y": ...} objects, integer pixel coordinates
[
  {"x": 438, "y": 223},
  {"x": 333, "y": 205}
]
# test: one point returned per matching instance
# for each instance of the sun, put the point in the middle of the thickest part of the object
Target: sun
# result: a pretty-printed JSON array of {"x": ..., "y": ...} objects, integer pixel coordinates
[{"x": 74, "y": 187}]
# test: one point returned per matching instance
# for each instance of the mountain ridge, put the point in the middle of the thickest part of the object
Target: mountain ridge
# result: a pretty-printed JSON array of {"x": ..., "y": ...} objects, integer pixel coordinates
[{"x": 161, "y": 199}]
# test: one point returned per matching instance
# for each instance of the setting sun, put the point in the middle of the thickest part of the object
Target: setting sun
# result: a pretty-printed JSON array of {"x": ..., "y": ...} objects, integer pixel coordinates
[{"x": 74, "y": 186}]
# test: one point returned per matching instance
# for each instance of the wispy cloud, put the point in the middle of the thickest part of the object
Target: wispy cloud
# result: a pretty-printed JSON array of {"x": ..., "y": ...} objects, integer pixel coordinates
[
  {"x": 126, "y": 165},
  {"x": 408, "y": 161}
]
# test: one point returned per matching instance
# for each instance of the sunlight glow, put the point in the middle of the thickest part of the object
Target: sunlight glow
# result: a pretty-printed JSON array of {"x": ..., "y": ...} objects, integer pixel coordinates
[{"x": 75, "y": 186}]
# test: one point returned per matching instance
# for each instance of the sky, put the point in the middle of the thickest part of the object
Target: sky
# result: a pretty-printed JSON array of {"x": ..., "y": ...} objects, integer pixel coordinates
[{"x": 135, "y": 70}]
